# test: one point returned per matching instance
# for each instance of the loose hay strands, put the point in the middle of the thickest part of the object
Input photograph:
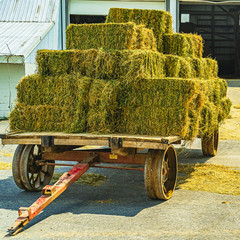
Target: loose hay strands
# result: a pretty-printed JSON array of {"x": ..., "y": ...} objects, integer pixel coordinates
[
  {"x": 5, "y": 166},
  {"x": 91, "y": 179},
  {"x": 109, "y": 36},
  {"x": 209, "y": 178},
  {"x": 157, "y": 20},
  {"x": 182, "y": 44}
]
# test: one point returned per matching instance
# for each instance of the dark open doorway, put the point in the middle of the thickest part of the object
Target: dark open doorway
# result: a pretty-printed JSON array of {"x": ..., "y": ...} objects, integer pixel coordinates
[
  {"x": 219, "y": 27},
  {"x": 80, "y": 19}
]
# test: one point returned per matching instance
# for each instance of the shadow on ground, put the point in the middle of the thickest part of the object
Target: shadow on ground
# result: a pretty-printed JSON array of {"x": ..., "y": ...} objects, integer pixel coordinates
[{"x": 122, "y": 195}]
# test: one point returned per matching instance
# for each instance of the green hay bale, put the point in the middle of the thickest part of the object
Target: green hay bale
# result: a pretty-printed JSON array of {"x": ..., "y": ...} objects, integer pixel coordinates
[
  {"x": 213, "y": 115},
  {"x": 176, "y": 66},
  {"x": 204, "y": 68},
  {"x": 161, "y": 103},
  {"x": 47, "y": 118},
  {"x": 109, "y": 36},
  {"x": 40, "y": 118},
  {"x": 55, "y": 62},
  {"x": 157, "y": 20},
  {"x": 184, "y": 45},
  {"x": 63, "y": 90},
  {"x": 224, "y": 109},
  {"x": 160, "y": 121},
  {"x": 129, "y": 64},
  {"x": 209, "y": 121},
  {"x": 163, "y": 106},
  {"x": 103, "y": 103},
  {"x": 93, "y": 63},
  {"x": 215, "y": 89}
]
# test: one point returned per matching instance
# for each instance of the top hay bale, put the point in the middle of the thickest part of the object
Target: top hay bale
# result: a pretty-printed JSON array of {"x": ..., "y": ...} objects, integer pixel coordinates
[
  {"x": 184, "y": 45},
  {"x": 109, "y": 36},
  {"x": 157, "y": 20}
]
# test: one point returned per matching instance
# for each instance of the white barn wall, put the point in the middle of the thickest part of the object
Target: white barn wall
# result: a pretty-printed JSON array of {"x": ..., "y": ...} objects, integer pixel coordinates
[
  {"x": 9, "y": 78},
  {"x": 51, "y": 41},
  {"x": 102, "y": 7}
]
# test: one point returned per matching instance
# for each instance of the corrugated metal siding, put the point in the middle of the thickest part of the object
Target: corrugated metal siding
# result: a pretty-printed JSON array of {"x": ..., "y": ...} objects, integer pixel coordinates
[
  {"x": 19, "y": 38},
  {"x": 27, "y": 10}
]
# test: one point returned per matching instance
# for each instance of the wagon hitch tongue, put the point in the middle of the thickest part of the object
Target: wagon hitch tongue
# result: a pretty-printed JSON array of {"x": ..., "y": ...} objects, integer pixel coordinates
[{"x": 49, "y": 193}]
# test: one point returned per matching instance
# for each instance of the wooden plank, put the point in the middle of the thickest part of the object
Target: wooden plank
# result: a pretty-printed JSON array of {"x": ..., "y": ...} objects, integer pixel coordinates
[
  {"x": 80, "y": 142},
  {"x": 104, "y": 157},
  {"x": 92, "y": 136},
  {"x": 91, "y": 139},
  {"x": 152, "y": 145},
  {"x": 10, "y": 141}
]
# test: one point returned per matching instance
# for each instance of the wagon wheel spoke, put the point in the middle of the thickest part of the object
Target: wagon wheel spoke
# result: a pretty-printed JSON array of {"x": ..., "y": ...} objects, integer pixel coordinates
[
  {"x": 164, "y": 189},
  {"x": 42, "y": 175},
  {"x": 44, "y": 172},
  {"x": 165, "y": 170},
  {"x": 32, "y": 178},
  {"x": 36, "y": 183}
]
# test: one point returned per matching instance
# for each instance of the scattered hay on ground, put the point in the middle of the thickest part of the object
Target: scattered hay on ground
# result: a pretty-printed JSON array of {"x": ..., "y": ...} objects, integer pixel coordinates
[
  {"x": 91, "y": 179},
  {"x": 5, "y": 166},
  {"x": 236, "y": 106},
  {"x": 230, "y": 128},
  {"x": 209, "y": 178},
  {"x": 104, "y": 201}
]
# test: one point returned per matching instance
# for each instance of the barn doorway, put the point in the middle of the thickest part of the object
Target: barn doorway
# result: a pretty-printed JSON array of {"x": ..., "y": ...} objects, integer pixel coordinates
[
  {"x": 81, "y": 19},
  {"x": 219, "y": 26}
]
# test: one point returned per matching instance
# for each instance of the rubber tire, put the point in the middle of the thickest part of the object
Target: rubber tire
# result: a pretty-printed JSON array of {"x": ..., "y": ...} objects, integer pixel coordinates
[
  {"x": 210, "y": 144},
  {"x": 153, "y": 173},
  {"x": 24, "y": 166},
  {"x": 16, "y": 166}
]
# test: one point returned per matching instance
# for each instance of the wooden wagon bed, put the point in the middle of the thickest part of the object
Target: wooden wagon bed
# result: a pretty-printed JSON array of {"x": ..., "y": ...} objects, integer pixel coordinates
[{"x": 124, "y": 141}]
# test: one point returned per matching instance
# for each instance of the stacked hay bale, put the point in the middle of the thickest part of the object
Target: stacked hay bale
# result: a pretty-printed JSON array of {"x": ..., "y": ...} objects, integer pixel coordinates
[{"x": 130, "y": 75}]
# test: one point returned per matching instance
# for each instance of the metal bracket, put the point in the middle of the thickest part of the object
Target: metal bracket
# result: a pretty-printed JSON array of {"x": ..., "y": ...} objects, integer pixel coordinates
[
  {"x": 24, "y": 212},
  {"x": 49, "y": 190},
  {"x": 47, "y": 141},
  {"x": 3, "y": 136},
  {"x": 166, "y": 141},
  {"x": 115, "y": 143}
]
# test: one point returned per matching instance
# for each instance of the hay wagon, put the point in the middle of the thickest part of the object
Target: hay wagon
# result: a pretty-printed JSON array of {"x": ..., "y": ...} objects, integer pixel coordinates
[{"x": 35, "y": 156}]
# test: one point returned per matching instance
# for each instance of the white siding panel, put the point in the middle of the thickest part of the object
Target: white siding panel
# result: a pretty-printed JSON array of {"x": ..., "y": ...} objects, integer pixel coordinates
[
  {"x": 102, "y": 7},
  {"x": 9, "y": 78}
]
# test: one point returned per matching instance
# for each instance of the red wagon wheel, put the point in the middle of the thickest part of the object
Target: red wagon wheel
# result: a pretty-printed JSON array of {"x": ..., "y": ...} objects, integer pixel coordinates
[
  {"x": 210, "y": 143},
  {"x": 34, "y": 177},
  {"x": 160, "y": 173}
]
